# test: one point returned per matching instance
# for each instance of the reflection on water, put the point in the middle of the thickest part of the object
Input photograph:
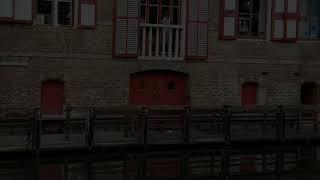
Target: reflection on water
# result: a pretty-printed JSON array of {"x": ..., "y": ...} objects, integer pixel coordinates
[{"x": 292, "y": 163}]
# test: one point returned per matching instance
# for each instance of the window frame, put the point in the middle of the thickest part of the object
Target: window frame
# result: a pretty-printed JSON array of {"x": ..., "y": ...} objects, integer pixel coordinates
[
  {"x": 181, "y": 25},
  {"x": 56, "y": 13},
  {"x": 264, "y": 37},
  {"x": 12, "y": 19},
  {"x": 300, "y": 19}
]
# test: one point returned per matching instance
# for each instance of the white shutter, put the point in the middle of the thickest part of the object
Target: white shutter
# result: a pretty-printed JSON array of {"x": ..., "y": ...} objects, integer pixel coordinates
[
  {"x": 6, "y": 8},
  {"x": 197, "y": 33},
  {"x": 291, "y": 20},
  {"x": 229, "y": 19},
  {"x": 23, "y": 10},
  {"x": 87, "y": 13},
  {"x": 126, "y": 28},
  {"x": 285, "y": 20},
  {"x": 278, "y": 12}
]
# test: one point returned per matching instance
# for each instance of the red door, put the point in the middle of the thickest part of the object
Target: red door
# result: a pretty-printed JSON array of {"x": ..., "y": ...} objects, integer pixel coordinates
[
  {"x": 51, "y": 172},
  {"x": 249, "y": 94},
  {"x": 309, "y": 93},
  {"x": 52, "y": 97},
  {"x": 158, "y": 88}
]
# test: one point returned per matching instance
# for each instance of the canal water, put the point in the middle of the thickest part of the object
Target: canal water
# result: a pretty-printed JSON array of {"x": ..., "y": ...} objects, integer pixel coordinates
[{"x": 267, "y": 163}]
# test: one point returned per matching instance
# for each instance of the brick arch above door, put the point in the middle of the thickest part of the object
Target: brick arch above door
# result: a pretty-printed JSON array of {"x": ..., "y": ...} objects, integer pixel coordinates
[{"x": 158, "y": 87}]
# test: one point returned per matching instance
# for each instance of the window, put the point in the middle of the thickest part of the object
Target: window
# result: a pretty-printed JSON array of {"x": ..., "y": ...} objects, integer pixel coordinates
[
  {"x": 309, "y": 24},
  {"x": 309, "y": 93},
  {"x": 160, "y": 28},
  {"x": 252, "y": 18},
  {"x": 249, "y": 94},
  {"x": 243, "y": 18},
  {"x": 19, "y": 11},
  {"x": 172, "y": 86},
  {"x": 55, "y": 12}
]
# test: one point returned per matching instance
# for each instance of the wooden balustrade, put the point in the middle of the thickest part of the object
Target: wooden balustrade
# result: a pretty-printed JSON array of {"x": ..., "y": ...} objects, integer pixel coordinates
[{"x": 83, "y": 128}]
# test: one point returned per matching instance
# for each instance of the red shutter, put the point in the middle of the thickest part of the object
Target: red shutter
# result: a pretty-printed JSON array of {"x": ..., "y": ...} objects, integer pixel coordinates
[
  {"x": 229, "y": 19},
  {"x": 197, "y": 29},
  {"x": 52, "y": 97},
  {"x": 126, "y": 21},
  {"x": 249, "y": 94},
  {"x": 285, "y": 20},
  {"x": 87, "y": 13}
]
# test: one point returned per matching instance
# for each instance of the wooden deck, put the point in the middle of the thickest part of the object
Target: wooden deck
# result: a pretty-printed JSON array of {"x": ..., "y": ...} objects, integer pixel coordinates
[{"x": 134, "y": 126}]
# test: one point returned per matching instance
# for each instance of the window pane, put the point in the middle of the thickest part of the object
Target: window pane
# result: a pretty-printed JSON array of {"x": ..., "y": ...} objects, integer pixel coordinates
[
  {"x": 64, "y": 13},
  {"x": 153, "y": 14},
  {"x": 45, "y": 9},
  {"x": 252, "y": 18},
  {"x": 315, "y": 19}
]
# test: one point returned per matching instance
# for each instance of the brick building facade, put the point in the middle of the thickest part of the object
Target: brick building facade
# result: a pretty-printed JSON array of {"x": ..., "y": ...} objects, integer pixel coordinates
[{"x": 83, "y": 58}]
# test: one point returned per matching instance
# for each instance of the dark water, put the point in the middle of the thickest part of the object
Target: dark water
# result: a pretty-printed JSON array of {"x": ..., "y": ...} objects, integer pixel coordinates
[{"x": 292, "y": 163}]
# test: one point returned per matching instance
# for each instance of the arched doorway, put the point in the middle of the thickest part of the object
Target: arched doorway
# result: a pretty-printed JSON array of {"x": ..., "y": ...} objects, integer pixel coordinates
[{"x": 158, "y": 88}]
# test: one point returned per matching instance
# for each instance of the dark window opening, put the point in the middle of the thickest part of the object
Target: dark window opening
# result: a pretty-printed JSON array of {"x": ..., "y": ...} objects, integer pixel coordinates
[
  {"x": 64, "y": 13},
  {"x": 45, "y": 12},
  {"x": 309, "y": 24},
  {"x": 252, "y": 18},
  {"x": 309, "y": 94},
  {"x": 141, "y": 86},
  {"x": 54, "y": 12},
  {"x": 172, "y": 86}
]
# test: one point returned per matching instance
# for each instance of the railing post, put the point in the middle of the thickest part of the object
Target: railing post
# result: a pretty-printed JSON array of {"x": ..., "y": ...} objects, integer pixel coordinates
[
  {"x": 315, "y": 121},
  {"x": 280, "y": 164},
  {"x": 187, "y": 119},
  {"x": 227, "y": 123},
  {"x": 36, "y": 131},
  {"x": 298, "y": 128},
  {"x": 92, "y": 118},
  {"x": 281, "y": 124},
  {"x": 145, "y": 125},
  {"x": 225, "y": 163},
  {"x": 67, "y": 123}
]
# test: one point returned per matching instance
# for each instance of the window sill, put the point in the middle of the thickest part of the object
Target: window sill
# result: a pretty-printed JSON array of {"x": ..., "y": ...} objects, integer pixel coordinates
[
  {"x": 161, "y": 58},
  {"x": 252, "y": 38}
]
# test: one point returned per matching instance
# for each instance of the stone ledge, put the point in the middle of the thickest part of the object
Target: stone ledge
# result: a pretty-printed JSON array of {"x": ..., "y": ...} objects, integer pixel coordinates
[{"x": 14, "y": 60}]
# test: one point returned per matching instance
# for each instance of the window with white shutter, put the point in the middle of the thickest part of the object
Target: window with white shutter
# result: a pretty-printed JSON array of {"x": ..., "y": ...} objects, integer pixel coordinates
[
  {"x": 87, "y": 16},
  {"x": 243, "y": 19},
  {"x": 197, "y": 29},
  {"x": 161, "y": 29},
  {"x": 126, "y": 28},
  {"x": 20, "y": 11},
  {"x": 285, "y": 20}
]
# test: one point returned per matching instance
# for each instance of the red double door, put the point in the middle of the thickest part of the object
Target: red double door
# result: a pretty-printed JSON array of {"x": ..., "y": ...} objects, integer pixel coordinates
[{"x": 158, "y": 88}]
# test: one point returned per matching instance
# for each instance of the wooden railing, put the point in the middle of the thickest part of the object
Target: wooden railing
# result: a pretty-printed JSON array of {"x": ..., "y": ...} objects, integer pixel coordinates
[
  {"x": 159, "y": 41},
  {"x": 83, "y": 128}
]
